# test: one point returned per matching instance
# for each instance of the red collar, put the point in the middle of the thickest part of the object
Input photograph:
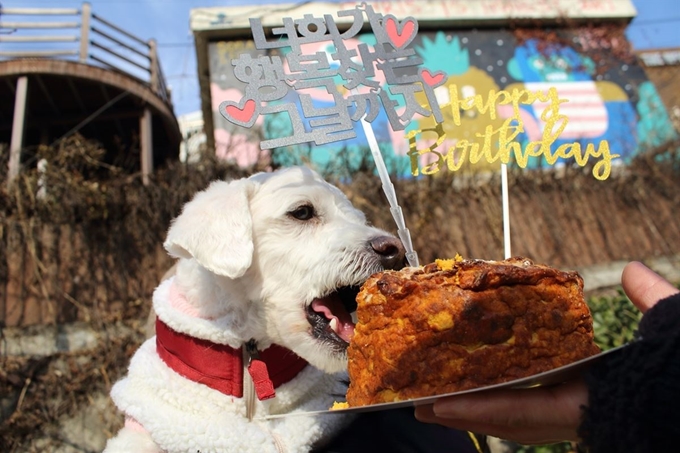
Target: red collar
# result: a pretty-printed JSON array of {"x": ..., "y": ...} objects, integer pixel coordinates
[{"x": 220, "y": 366}]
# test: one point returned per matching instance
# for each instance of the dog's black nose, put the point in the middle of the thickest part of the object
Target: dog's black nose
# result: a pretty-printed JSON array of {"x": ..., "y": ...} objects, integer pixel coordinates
[{"x": 390, "y": 250}]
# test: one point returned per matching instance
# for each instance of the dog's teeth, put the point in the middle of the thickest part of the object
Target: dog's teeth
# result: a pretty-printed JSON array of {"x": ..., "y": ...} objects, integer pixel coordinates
[{"x": 334, "y": 324}]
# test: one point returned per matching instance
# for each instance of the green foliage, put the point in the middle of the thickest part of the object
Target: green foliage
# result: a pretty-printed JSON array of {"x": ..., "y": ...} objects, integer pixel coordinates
[
  {"x": 564, "y": 447},
  {"x": 615, "y": 319}
]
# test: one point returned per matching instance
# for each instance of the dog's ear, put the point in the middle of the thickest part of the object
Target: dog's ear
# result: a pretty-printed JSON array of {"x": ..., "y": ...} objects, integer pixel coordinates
[{"x": 215, "y": 228}]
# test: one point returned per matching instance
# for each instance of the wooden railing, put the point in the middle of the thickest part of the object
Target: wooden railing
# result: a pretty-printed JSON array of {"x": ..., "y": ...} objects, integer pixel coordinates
[{"x": 81, "y": 35}]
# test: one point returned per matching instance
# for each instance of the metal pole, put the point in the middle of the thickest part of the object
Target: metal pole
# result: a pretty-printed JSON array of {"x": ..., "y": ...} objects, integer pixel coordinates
[{"x": 17, "y": 141}]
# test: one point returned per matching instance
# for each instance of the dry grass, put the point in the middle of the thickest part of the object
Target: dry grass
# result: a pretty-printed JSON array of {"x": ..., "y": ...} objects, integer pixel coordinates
[{"x": 88, "y": 251}]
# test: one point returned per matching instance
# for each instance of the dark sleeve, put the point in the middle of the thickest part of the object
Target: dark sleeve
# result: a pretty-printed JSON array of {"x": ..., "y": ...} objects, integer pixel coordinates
[
  {"x": 398, "y": 431},
  {"x": 634, "y": 396}
]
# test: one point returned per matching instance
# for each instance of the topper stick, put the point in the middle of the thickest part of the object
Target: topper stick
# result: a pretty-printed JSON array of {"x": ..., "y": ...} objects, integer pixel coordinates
[
  {"x": 388, "y": 189},
  {"x": 506, "y": 210}
]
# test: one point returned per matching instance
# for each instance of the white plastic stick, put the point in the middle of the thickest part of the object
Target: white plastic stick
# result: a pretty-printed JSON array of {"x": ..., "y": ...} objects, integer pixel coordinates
[
  {"x": 506, "y": 210},
  {"x": 388, "y": 189}
]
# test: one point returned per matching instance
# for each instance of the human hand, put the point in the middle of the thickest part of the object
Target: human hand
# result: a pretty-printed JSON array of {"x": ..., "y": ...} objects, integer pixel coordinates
[
  {"x": 532, "y": 417},
  {"x": 644, "y": 287},
  {"x": 545, "y": 414}
]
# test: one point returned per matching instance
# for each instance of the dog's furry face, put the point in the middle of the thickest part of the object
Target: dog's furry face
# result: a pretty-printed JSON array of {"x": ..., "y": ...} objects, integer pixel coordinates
[{"x": 288, "y": 252}]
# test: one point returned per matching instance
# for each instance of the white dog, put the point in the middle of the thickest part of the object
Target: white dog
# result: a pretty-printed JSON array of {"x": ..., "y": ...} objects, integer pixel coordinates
[{"x": 260, "y": 306}]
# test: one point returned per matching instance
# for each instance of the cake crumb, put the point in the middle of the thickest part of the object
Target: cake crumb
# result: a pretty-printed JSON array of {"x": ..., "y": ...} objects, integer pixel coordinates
[{"x": 447, "y": 264}]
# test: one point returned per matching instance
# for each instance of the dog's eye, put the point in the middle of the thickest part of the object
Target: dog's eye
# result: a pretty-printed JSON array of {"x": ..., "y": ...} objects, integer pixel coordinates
[{"x": 304, "y": 212}]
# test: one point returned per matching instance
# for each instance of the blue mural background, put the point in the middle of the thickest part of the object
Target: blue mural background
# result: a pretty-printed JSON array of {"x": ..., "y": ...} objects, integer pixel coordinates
[{"x": 610, "y": 98}]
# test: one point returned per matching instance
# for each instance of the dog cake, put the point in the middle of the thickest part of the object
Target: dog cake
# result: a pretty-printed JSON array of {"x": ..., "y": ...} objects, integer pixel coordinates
[{"x": 459, "y": 324}]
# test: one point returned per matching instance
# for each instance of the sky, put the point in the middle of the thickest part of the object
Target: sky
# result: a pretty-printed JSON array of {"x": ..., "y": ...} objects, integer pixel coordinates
[{"x": 657, "y": 25}]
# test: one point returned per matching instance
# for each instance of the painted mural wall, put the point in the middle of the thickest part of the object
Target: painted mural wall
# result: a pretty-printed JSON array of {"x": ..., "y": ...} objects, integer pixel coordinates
[{"x": 609, "y": 98}]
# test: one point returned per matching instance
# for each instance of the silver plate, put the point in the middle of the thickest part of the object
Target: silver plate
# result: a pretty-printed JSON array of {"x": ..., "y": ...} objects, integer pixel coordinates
[{"x": 552, "y": 377}]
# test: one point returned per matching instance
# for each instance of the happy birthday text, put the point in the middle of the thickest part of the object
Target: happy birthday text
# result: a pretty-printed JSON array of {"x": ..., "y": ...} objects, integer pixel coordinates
[{"x": 501, "y": 144}]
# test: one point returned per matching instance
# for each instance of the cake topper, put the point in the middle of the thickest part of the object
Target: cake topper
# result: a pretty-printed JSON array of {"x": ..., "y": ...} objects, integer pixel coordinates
[
  {"x": 348, "y": 76},
  {"x": 268, "y": 82},
  {"x": 500, "y": 144}
]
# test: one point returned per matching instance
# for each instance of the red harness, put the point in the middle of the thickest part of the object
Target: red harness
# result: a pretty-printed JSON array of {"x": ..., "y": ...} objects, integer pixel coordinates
[{"x": 220, "y": 366}]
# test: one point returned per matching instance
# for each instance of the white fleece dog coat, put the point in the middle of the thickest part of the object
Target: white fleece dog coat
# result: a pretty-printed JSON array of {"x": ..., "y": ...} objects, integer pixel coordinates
[{"x": 183, "y": 415}]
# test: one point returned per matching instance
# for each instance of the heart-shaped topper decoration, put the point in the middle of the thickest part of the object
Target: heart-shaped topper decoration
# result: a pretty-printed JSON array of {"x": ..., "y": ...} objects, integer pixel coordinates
[
  {"x": 400, "y": 33},
  {"x": 434, "y": 80},
  {"x": 243, "y": 113}
]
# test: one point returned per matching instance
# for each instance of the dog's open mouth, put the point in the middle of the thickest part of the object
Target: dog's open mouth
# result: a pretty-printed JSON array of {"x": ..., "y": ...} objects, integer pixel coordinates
[{"x": 330, "y": 316}]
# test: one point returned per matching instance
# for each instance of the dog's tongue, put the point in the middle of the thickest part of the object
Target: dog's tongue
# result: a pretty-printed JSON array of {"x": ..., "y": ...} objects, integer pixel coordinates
[{"x": 331, "y": 307}]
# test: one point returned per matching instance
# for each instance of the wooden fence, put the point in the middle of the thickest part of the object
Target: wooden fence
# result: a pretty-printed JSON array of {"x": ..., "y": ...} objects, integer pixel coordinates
[
  {"x": 97, "y": 254},
  {"x": 81, "y": 35}
]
